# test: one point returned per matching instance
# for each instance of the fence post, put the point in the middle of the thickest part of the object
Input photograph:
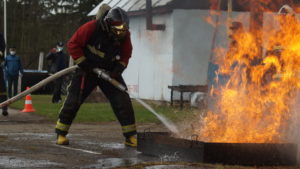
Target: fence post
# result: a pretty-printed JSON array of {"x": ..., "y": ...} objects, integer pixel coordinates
[{"x": 41, "y": 61}]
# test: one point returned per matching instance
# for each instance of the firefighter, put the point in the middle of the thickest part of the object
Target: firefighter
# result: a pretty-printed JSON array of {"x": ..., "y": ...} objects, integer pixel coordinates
[
  {"x": 101, "y": 43},
  {"x": 286, "y": 14},
  {"x": 3, "y": 95}
]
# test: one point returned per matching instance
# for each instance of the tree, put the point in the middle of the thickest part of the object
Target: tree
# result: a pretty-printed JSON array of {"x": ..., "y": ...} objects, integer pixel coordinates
[{"x": 36, "y": 25}]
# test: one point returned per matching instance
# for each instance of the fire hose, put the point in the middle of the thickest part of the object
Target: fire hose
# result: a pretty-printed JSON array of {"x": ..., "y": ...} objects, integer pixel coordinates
[
  {"x": 105, "y": 76},
  {"x": 39, "y": 85},
  {"x": 101, "y": 74}
]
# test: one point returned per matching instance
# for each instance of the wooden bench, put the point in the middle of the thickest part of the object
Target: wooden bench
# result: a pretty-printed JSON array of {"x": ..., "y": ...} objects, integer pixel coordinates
[{"x": 186, "y": 88}]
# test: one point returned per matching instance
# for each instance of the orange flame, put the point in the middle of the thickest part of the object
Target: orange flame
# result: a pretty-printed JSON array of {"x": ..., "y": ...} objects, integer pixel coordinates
[{"x": 255, "y": 104}]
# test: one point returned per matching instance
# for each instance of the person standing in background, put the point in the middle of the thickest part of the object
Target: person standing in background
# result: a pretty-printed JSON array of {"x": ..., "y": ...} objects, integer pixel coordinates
[
  {"x": 3, "y": 95},
  {"x": 58, "y": 61},
  {"x": 13, "y": 68}
]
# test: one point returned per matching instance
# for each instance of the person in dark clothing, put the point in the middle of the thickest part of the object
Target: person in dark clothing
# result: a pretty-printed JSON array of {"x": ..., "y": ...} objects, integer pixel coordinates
[
  {"x": 3, "y": 95},
  {"x": 13, "y": 68},
  {"x": 103, "y": 43},
  {"x": 58, "y": 61}
]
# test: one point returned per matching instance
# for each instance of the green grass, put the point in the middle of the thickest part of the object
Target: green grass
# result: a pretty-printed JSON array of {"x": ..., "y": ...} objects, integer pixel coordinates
[{"x": 100, "y": 112}]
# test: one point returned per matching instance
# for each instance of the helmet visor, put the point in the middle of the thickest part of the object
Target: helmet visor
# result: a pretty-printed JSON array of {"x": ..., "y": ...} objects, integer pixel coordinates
[{"x": 119, "y": 30}]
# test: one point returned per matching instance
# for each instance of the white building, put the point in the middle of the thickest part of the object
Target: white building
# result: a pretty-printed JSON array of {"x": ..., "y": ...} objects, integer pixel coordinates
[{"x": 176, "y": 55}]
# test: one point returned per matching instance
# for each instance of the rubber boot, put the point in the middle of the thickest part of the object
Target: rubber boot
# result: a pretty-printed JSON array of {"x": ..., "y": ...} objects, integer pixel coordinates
[
  {"x": 4, "y": 113},
  {"x": 62, "y": 140},
  {"x": 131, "y": 141}
]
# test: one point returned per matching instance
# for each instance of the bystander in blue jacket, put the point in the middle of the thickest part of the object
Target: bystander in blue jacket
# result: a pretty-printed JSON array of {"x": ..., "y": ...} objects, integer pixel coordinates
[{"x": 13, "y": 68}]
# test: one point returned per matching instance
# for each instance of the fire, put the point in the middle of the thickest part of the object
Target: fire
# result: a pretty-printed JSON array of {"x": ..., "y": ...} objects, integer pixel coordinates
[{"x": 255, "y": 104}]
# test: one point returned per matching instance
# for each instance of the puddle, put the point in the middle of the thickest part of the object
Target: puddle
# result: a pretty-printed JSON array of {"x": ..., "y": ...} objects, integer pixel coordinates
[
  {"x": 36, "y": 134},
  {"x": 112, "y": 145},
  {"x": 14, "y": 162},
  {"x": 113, "y": 162},
  {"x": 173, "y": 167},
  {"x": 28, "y": 136},
  {"x": 103, "y": 145}
]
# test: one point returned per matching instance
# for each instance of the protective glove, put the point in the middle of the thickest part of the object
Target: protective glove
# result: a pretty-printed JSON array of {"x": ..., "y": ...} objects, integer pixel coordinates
[
  {"x": 53, "y": 50},
  {"x": 118, "y": 70}
]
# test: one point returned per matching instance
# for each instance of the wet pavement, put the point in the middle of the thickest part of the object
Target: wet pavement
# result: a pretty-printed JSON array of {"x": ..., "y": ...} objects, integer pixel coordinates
[
  {"x": 28, "y": 141},
  {"x": 173, "y": 167}
]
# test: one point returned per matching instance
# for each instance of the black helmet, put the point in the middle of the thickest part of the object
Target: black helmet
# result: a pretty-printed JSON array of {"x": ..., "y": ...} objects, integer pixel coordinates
[
  {"x": 118, "y": 22},
  {"x": 60, "y": 44}
]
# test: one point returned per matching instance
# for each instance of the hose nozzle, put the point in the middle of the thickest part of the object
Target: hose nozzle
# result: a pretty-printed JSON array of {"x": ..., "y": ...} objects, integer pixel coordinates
[{"x": 102, "y": 74}]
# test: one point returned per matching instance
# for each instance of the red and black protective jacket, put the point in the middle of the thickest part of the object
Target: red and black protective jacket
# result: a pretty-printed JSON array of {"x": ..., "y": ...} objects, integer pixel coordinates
[{"x": 98, "y": 47}]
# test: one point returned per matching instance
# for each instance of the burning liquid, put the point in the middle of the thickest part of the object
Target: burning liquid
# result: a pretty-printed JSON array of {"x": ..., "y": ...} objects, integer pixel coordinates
[
  {"x": 163, "y": 119},
  {"x": 255, "y": 104}
]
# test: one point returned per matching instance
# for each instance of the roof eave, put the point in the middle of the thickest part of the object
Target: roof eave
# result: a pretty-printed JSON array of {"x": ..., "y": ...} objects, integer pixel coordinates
[{"x": 157, "y": 10}]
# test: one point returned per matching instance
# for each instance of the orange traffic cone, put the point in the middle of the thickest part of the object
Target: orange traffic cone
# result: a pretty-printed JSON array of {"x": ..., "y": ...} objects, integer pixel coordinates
[{"x": 28, "y": 104}]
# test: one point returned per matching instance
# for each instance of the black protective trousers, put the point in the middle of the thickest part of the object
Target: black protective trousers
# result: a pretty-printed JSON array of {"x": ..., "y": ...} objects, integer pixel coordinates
[
  {"x": 57, "y": 90},
  {"x": 81, "y": 86},
  {"x": 12, "y": 83},
  {"x": 3, "y": 95}
]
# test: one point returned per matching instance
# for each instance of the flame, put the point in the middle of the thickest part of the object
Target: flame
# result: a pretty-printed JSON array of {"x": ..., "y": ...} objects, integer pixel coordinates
[{"x": 255, "y": 104}]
